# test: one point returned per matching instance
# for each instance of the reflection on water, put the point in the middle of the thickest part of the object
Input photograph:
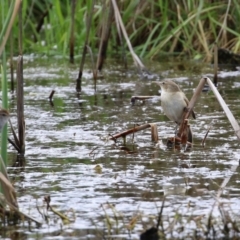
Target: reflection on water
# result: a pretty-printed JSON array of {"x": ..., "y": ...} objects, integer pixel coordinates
[{"x": 65, "y": 143}]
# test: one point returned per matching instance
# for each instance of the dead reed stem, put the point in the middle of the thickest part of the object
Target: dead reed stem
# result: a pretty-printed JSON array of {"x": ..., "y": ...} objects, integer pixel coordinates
[
  {"x": 20, "y": 92},
  {"x": 41, "y": 22},
  {"x": 123, "y": 134},
  {"x": 89, "y": 21},
  {"x": 51, "y": 95},
  {"x": 134, "y": 98},
  {"x": 129, "y": 131},
  {"x": 215, "y": 78},
  {"x": 106, "y": 29},
  {"x": 205, "y": 137},
  {"x": 73, "y": 7},
  {"x": 119, "y": 21}
]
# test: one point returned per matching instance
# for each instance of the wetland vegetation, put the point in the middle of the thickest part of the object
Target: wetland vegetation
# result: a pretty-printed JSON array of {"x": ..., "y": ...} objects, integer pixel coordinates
[{"x": 65, "y": 178}]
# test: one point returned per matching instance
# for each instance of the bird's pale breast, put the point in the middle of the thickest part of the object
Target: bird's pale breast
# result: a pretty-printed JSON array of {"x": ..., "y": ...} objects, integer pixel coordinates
[{"x": 173, "y": 105}]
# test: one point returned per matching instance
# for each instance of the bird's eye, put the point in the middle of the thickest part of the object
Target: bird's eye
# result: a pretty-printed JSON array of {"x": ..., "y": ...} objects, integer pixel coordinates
[{"x": 163, "y": 82}]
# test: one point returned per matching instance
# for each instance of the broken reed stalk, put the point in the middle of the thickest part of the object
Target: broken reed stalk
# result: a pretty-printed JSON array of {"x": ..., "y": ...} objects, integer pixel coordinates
[
  {"x": 20, "y": 92},
  {"x": 106, "y": 29},
  {"x": 41, "y": 22},
  {"x": 89, "y": 21},
  {"x": 71, "y": 42},
  {"x": 20, "y": 105},
  {"x": 215, "y": 78},
  {"x": 123, "y": 134},
  {"x": 205, "y": 137},
  {"x": 134, "y": 98},
  {"x": 119, "y": 21},
  {"x": 51, "y": 95}
]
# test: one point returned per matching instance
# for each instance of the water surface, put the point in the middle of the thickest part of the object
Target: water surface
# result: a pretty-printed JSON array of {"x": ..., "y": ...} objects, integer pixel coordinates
[{"x": 65, "y": 143}]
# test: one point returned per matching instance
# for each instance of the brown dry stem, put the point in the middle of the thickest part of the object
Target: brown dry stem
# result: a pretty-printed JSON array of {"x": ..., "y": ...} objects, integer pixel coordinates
[{"x": 123, "y": 134}]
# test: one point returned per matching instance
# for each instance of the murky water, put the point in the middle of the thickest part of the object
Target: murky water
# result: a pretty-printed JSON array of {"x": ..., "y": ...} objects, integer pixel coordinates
[{"x": 69, "y": 158}]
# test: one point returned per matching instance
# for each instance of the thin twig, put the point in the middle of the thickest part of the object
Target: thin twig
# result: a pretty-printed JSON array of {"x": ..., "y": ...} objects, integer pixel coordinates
[
  {"x": 205, "y": 137},
  {"x": 134, "y": 98},
  {"x": 130, "y": 131},
  {"x": 51, "y": 95}
]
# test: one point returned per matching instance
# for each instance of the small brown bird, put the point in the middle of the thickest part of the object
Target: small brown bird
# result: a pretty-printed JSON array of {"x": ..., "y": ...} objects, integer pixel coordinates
[
  {"x": 4, "y": 116},
  {"x": 174, "y": 102}
]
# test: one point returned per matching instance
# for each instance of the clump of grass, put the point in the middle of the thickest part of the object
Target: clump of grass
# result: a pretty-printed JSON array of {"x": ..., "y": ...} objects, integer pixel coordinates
[
  {"x": 186, "y": 28},
  {"x": 180, "y": 222}
]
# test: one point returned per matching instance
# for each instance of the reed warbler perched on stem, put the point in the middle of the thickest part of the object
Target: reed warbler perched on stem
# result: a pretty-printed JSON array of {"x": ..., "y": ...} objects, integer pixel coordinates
[{"x": 174, "y": 103}]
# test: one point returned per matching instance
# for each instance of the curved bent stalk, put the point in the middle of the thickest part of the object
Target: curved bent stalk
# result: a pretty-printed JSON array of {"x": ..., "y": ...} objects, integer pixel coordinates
[{"x": 119, "y": 21}]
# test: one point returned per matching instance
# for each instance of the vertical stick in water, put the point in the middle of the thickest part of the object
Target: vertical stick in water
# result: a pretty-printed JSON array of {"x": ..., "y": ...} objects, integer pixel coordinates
[
  {"x": 73, "y": 7},
  {"x": 89, "y": 21},
  {"x": 20, "y": 93},
  {"x": 215, "y": 79},
  {"x": 106, "y": 28}
]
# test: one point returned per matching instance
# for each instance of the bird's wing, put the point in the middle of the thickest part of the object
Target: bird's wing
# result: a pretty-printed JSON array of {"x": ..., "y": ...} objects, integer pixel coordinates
[{"x": 187, "y": 102}]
